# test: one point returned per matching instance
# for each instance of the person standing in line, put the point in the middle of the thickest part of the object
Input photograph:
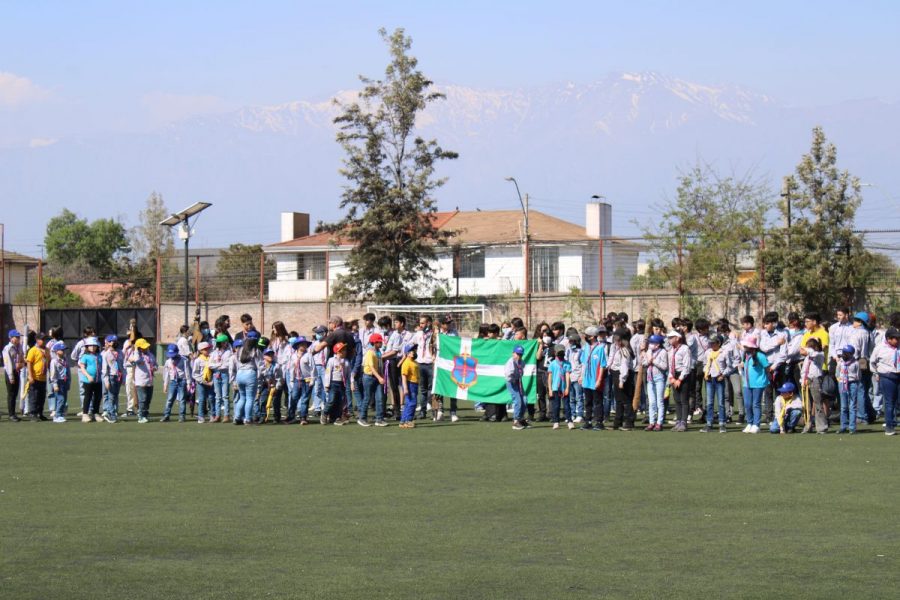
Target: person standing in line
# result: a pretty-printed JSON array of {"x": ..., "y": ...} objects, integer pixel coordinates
[
  {"x": 679, "y": 373},
  {"x": 36, "y": 362},
  {"x": 772, "y": 343},
  {"x": 558, "y": 385},
  {"x": 861, "y": 339},
  {"x": 811, "y": 380},
  {"x": 715, "y": 373},
  {"x": 848, "y": 388},
  {"x": 372, "y": 383},
  {"x": 144, "y": 369},
  {"x": 299, "y": 378},
  {"x": 593, "y": 357},
  {"x": 839, "y": 335},
  {"x": 426, "y": 346},
  {"x": 203, "y": 382},
  {"x": 885, "y": 364},
  {"x": 409, "y": 374},
  {"x": 112, "y": 374},
  {"x": 656, "y": 363},
  {"x": 220, "y": 365},
  {"x": 13, "y": 364},
  {"x": 623, "y": 382},
  {"x": 128, "y": 350},
  {"x": 90, "y": 371},
  {"x": 755, "y": 381},
  {"x": 175, "y": 374},
  {"x": 337, "y": 384},
  {"x": 77, "y": 352},
  {"x": 59, "y": 381},
  {"x": 576, "y": 392},
  {"x": 514, "y": 371},
  {"x": 246, "y": 377}
]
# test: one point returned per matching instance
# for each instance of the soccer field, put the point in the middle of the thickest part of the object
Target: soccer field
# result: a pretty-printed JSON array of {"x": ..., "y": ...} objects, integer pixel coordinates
[{"x": 464, "y": 510}]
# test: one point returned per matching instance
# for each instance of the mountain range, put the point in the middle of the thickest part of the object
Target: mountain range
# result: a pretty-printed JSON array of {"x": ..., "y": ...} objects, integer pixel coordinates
[{"x": 625, "y": 136}]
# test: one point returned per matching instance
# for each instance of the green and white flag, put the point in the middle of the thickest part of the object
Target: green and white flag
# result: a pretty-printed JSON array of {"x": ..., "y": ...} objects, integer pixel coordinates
[{"x": 473, "y": 369}]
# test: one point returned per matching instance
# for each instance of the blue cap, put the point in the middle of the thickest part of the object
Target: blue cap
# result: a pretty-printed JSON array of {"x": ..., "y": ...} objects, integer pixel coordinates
[
  {"x": 848, "y": 349},
  {"x": 112, "y": 338},
  {"x": 13, "y": 333},
  {"x": 253, "y": 334},
  {"x": 786, "y": 388},
  {"x": 269, "y": 351},
  {"x": 58, "y": 346},
  {"x": 172, "y": 350},
  {"x": 92, "y": 341},
  {"x": 862, "y": 316},
  {"x": 300, "y": 339},
  {"x": 320, "y": 329},
  {"x": 519, "y": 350},
  {"x": 408, "y": 348},
  {"x": 238, "y": 343},
  {"x": 656, "y": 339}
]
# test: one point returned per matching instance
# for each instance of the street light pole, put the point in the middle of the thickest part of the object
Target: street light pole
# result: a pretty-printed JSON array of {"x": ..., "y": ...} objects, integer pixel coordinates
[
  {"x": 525, "y": 252},
  {"x": 599, "y": 197},
  {"x": 184, "y": 232}
]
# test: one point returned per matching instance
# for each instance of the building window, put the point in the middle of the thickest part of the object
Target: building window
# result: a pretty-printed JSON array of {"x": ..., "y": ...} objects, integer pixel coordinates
[
  {"x": 471, "y": 263},
  {"x": 311, "y": 266},
  {"x": 545, "y": 269}
]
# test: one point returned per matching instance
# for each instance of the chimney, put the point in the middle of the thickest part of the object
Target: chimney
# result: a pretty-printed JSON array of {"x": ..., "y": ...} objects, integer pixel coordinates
[
  {"x": 598, "y": 219},
  {"x": 294, "y": 225}
]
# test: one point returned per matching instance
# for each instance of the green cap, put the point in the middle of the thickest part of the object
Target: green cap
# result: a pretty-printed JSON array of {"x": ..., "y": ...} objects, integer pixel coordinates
[
  {"x": 263, "y": 342},
  {"x": 221, "y": 338}
]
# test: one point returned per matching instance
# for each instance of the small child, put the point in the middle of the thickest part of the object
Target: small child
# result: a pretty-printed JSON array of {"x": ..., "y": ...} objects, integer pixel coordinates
[
  {"x": 144, "y": 368},
  {"x": 576, "y": 392},
  {"x": 219, "y": 364},
  {"x": 623, "y": 381},
  {"x": 788, "y": 410},
  {"x": 113, "y": 373},
  {"x": 336, "y": 380},
  {"x": 513, "y": 371},
  {"x": 558, "y": 383},
  {"x": 89, "y": 375},
  {"x": 715, "y": 372},
  {"x": 59, "y": 381},
  {"x": 756, "y": 379},
  {"x": 656, "y": 363},
  {"x": 271, "y": 381},
  {"x": 848, "y": 388},
  {"x": 299, "y": 380},
  {"x": 811, "y": 386},
  {"x": 409, "y": 379},
  {"x": 202, "y": 377},
  {"x": 174, "y": 383},
  {"x": 373, "y": 383}
]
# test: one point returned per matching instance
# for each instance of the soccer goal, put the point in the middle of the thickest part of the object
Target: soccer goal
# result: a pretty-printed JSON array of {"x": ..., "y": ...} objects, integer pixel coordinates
[{"x": 466, "y": 317}]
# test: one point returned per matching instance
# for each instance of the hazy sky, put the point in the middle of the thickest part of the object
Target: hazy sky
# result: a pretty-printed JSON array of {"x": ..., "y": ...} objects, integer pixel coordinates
[{"x": 81, "y": 67}]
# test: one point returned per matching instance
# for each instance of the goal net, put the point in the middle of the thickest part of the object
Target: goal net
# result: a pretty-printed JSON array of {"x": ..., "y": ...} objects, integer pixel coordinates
[{"x": 466, "y": 317}]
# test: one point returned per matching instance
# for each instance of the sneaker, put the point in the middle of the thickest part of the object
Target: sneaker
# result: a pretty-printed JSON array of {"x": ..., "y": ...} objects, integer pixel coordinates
[
  {"x": 650, "y": 427},
  {"x": 754, "y": 429},
  {"x": 214, "y": 420},
  {"x": 381, "y": 423},
  {"x": 889, "y": 431},
  {"x": 362, "y": 423},
  {"x": 517, "y": 426},
  {"x": 706, "y": 429},
  {"x": 556, "y": 426},
  {"x": 570, "y": 425},
  {"x": 723, "y": 429},
  {"x": 657, "y": 427},
  {"x": 323, "y": 419},
  {"x": 747, "y": 429},
  {"x": 440, "y": 415},
  {"x": 599, "y": 427},
  {"x": 579, "y": 419},
  {"x": 80, "y": 414},
  {"x": 304, "y": 422},
  {"x": 142, "y": 420},
  {"x": 182, "y": 419},
  {"x": 85, "y": 418},
  {"x": 453, "y": 418},
  {"x": 201, "y": 420},
  {"x": 339, "y": 422},
  {"x": 626, "y": 428},
  {"x": 59, "y": 419},
  {"x": 236, "y": 421},
  {"x": 164, "y": 419},
  {"x": 108, "y": 419},
  {"x": 697, "y": 412},
  {"x": 842, "y": 430}
]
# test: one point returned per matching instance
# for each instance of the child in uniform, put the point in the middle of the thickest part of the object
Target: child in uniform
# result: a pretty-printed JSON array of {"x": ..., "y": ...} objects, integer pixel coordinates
[
  {"x": 788, "y": 410},
  {"x": 409, "y": 378},
  {"x": 336, "y": 380},
  {"x": 656, "y": 364},
  {"x": 113, "y": 373},
  {"x": 810, "y": 380},
  {"x": 558, "y": 383},
  {"x": 513, "y": 371},
  {"x": 848, "y": 387},
  {"x": 202, "y": 376},
  {"x": 174, "y": 383},
  {"x": 715, "y": 372},
  {"x": 220, "y": 365},
  {"x": 59, "y": 381},
  {"x": 90, "y": 372}
]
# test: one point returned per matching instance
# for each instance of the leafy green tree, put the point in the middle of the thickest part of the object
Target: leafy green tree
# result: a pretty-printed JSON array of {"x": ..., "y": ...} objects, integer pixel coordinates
[
  {"x": 75, "y": 245},
  {"x": 706, "y": 234},
  {"x": 390, "y": 174},
  {"x": 238, "y": 270},
  {"x": 54, "y": 293},
  {"x": 149, "y": 239},
  {"x": 818, "y": 263}
]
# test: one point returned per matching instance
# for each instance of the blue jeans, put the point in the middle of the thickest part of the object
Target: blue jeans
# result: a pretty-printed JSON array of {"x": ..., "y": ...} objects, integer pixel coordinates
[
  {"x": 715, "y": 390},
  {"x": 243, "y": 405},
  {"x": 576, "y": 397},
  {"x": 890, "y": 391},
  {"x": 205, "y": 394},
  {"x": 753, "y": 405},
  {"x": 220, "y": 387},
  {"x": 372, "y": 390},
  {"x": 60, "y": 400},
  {"x": 145, "y": 395},
  {"x": 176, "y": 391},
  {"x": 319, "y": 388},
  {"x": 865, "y": 410},
  {"x": 111, "y": 399},
  {"x": 356, "y": 396},
  {"x": 518, "y": 400},
  {"x": 409, "y": 406},
  {"x": 791, "y": 418},
  {"x": 656, "y": 403},
  {"x": 337, "y": 396},
  {"x": 850, "y": 397}
]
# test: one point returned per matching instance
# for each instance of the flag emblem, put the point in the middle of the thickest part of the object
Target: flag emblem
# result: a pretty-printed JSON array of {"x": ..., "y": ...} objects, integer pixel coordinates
[{"x": 464, "y": 373}]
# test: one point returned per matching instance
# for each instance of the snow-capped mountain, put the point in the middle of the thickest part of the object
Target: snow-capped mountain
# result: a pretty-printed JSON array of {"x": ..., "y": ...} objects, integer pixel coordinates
[{"x": 624, "y": 136}]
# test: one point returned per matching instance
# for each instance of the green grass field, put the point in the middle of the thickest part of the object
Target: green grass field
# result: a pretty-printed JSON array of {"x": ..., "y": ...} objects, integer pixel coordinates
[{"x": 465, "y": 510}]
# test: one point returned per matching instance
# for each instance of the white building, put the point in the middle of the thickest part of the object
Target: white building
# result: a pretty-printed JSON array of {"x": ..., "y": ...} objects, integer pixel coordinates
[
  {"x": 17, "y": 272},
  {"x": 490, "y": 257}
]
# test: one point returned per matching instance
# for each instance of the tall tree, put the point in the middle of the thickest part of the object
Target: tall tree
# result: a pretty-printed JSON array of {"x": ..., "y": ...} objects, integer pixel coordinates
[
  {"x": 238, "y": 270},
  {"x": 390, "y": 183},
  {"x": 707, "y": 233},
  {"x": 815, "y": 260},
  {"x": 95, "y": 248},
  {"x": 149, "y": 239}
]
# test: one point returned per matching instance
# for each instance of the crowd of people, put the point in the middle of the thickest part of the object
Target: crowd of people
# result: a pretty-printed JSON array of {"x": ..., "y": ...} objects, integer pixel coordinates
[{"x": 797, "y": 375}]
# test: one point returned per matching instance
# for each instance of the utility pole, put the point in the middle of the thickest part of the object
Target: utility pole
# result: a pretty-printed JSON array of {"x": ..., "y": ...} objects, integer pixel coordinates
[
  {"x": 786, "y": 194},
  {"x": 525, "y": 252}
]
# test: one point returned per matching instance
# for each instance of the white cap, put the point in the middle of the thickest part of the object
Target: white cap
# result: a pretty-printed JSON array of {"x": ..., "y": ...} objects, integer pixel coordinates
[{"x": 202, "y": 346}]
